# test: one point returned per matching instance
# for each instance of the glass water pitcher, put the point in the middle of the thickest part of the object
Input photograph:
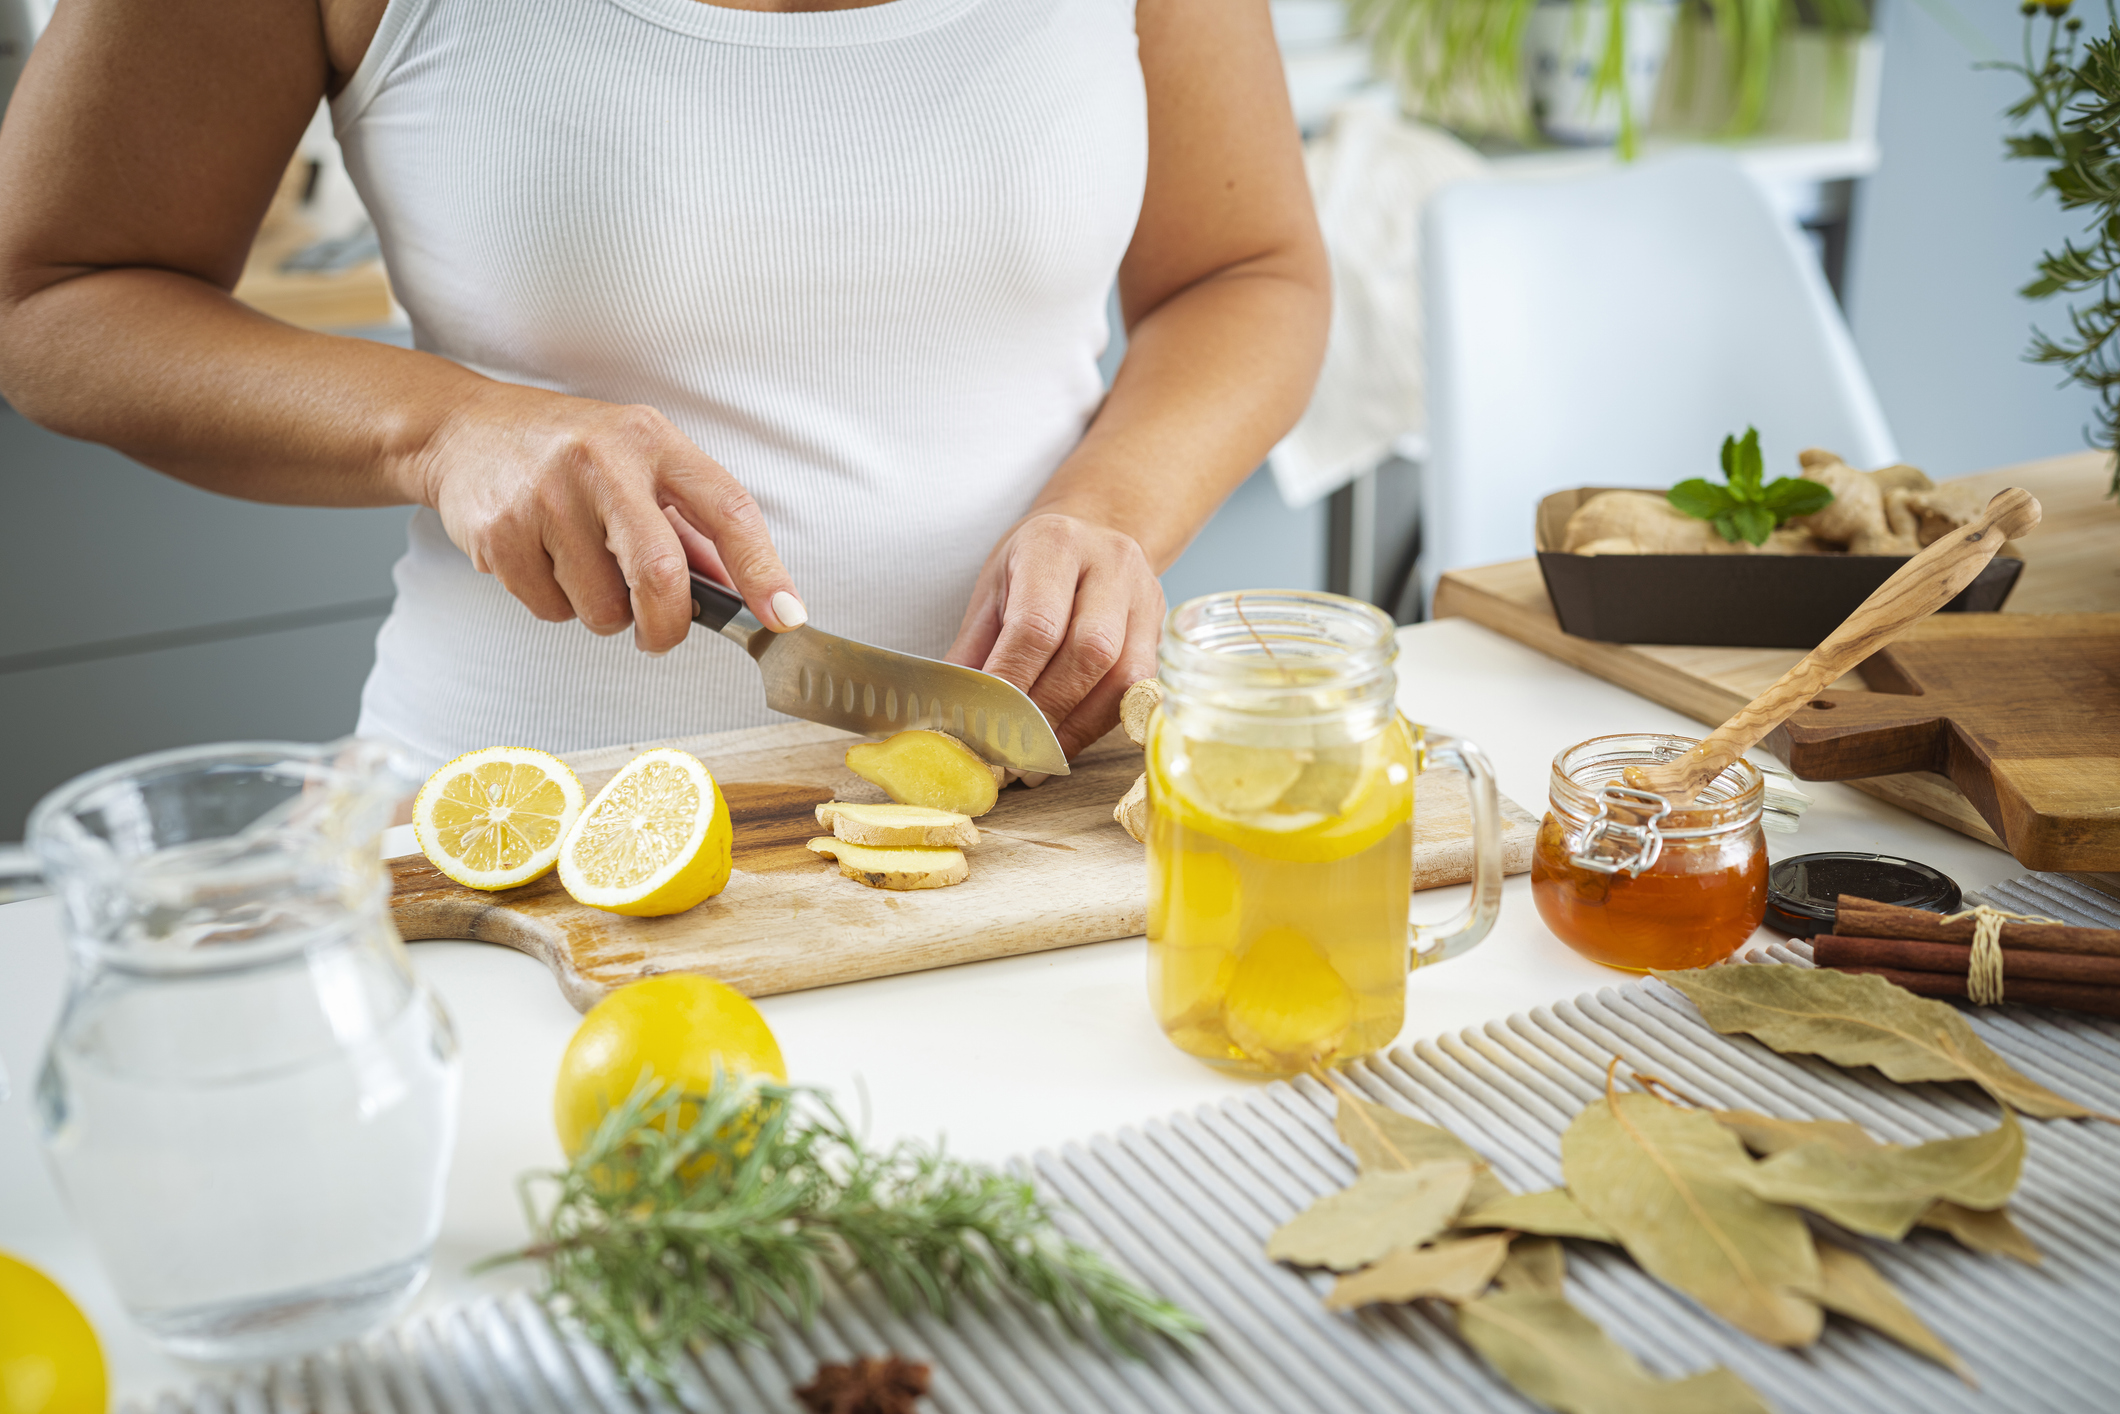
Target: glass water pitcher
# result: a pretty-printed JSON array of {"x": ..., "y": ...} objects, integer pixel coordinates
[{"x": 249, "y": 1101}]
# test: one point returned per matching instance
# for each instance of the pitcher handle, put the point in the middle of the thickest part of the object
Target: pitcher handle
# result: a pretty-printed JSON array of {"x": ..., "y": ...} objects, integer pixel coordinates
[
  {"x": 1431, "y": 943},
  {"x": 21, "y": 875}
]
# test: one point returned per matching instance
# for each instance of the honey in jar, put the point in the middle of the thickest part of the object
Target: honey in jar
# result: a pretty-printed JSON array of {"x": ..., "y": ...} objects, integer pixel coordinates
[{"x": 1629, "y": 882}]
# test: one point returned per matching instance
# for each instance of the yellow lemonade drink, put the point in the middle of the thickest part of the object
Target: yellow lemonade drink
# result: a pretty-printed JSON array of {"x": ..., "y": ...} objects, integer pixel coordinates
[{"x": 1278, "y": 886}]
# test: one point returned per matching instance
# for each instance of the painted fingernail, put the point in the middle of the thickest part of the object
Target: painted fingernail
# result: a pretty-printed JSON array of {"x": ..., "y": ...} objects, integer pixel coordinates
[{"x": 788, "y": 609}]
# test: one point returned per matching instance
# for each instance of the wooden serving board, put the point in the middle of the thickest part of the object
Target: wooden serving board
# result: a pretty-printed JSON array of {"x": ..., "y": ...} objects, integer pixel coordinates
[
  {"x": 2072, "y": 565},
  {"x": 2020, "y": 711},
  {"x": 1052, "y": 869}
]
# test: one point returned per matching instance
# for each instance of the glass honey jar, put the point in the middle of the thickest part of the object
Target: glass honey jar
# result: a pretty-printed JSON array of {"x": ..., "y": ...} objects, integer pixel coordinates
[{"x": 1626, "y": 880}]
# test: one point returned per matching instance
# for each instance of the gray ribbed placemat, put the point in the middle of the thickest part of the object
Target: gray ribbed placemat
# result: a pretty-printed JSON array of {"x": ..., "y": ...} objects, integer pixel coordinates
[{"x": 1187, "y": 1203}]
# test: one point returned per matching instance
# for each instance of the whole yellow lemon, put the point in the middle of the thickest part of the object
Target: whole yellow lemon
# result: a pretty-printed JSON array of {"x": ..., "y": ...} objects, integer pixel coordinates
[
  {"x": 681, "y": 1026},
  {"x": 50, "y": 1362}
]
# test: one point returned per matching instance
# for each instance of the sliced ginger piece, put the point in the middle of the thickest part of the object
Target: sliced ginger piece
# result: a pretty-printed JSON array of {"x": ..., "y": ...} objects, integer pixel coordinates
[
  {"x": 928, "y": 768},
  {"x": 896, "y": 869},
  {"x": 896, "y": 826}
]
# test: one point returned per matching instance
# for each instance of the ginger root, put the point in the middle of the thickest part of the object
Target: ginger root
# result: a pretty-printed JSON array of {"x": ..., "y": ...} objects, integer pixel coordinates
[
  {"x": 896, "y": 826},
  {"x": 1135, "y": 709},
  {"x": 1132, "y": 810},
  {"x": 1936, "y": 511},
  {"x": 1856, "y": 518},
  {"x": 1641, "y": 523},
  {"x": 1139, "y": 704},
  {"x": 931, "y": 769},
  {"x": 1894, "y": 510},
  {"x": 895, "y": 869}
]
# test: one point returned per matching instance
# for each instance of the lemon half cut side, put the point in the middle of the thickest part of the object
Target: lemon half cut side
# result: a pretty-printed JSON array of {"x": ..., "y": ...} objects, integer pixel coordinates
[
  {"x": 496, "y": 819},
  {"x": 654, "y": 841}
]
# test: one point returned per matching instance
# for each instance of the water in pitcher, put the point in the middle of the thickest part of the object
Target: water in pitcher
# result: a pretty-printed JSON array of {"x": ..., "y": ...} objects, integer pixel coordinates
[
  {"x": 286, "y": 1183},
  {"x": 1278, "y": 895}
]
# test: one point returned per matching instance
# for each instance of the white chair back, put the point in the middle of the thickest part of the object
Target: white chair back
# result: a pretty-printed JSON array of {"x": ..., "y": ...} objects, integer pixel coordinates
[{"x": 1611, "y": 330}]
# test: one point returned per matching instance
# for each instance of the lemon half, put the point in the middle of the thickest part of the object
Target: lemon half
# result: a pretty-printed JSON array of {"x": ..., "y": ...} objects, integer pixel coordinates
[
  {"x": 654, "y": 841},
  {"x": 496, "y": 818}
]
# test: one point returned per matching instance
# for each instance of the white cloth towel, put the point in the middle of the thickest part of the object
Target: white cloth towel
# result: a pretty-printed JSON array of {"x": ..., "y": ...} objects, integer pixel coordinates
[{"x": 1371, "y": 171}]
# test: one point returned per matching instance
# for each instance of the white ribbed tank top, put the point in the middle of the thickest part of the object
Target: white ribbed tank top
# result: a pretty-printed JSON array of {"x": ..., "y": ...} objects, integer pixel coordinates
[{"x": 860, "y": 257}]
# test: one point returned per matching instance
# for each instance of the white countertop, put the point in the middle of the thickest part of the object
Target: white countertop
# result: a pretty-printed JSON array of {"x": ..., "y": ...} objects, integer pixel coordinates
[{"x": 1001, "y": 1057}]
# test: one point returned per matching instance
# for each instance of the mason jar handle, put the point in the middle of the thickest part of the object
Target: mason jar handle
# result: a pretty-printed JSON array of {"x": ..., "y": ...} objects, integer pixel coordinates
[
  {"x": 1439, "y": 942},
  {"x": 21, "y": 875}
]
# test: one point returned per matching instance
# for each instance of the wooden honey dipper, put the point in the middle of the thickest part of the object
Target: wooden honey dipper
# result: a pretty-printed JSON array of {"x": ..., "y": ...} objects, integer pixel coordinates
[{"x": 1917, "y": 589}]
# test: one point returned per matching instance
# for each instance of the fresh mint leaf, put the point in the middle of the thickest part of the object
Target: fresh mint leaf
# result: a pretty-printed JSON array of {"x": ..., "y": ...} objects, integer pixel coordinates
[
  {"x": 1753, "y": 523},
  {"x": 1795, "y": 496},
  {"x": 1745, "y": 475},
  {"x": 1700, "y": 498},
  {"x": 1743, "y": 509}
]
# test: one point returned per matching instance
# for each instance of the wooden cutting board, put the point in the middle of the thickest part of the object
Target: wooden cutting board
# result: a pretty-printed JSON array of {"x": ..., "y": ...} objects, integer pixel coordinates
[
  {"x": 1052, "y": 869},
  {"x": 2020, "y": 711},
  {"x": 2072, "y": 565}
]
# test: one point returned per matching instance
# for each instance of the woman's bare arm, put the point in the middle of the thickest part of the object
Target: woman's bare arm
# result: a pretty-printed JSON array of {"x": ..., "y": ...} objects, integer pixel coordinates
[
  {"x": 1227, "y": 298},
  {"x": 139, "y": 153}
]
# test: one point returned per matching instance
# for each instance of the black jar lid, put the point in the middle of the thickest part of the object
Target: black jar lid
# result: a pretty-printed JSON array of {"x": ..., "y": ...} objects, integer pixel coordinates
[{"x": 1802, "y": 891}]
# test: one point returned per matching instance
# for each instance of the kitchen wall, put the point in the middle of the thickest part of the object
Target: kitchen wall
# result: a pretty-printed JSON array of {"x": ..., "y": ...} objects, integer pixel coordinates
[
  {"x": 143, "y": 613},
  {"x": 1944, "y": 235}
]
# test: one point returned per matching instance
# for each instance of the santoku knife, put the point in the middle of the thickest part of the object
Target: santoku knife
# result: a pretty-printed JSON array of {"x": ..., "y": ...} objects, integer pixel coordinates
[{"x": 823, "y": 678}]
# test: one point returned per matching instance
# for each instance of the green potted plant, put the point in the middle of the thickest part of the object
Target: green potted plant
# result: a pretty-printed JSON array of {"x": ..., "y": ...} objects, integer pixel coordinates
[{"x": 1460, "y": 63}]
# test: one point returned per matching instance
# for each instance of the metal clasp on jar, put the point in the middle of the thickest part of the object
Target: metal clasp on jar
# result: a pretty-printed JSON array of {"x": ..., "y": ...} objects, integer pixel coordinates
[{"x": 1627, "y": 843}]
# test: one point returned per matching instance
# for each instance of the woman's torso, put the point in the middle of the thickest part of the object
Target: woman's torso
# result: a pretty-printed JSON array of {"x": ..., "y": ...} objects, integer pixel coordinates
[{"x": 860, "y": 257}]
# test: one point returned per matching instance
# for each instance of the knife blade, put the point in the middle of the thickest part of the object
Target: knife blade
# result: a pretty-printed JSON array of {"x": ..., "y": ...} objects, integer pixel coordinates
[{"x": 821, "y": 677}]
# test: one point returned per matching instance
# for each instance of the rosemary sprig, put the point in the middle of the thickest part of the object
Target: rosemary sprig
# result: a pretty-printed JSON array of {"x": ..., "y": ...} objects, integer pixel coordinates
[
  {"x": 2074, "y": 109},
  {"x": 688, "y": 1217}
]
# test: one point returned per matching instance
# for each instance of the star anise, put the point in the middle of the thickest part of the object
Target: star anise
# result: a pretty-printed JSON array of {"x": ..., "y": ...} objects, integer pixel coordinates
[{"x": 871, "y": 1384}]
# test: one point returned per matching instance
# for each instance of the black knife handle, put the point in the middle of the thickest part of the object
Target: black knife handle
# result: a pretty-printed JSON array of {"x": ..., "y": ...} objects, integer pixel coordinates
[{"x": 712, "y": 605}]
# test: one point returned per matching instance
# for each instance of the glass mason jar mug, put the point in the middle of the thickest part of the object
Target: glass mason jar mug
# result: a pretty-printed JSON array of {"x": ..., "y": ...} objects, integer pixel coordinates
[
  {"x": 249, "y": 1101},
  {"x": 1280, "y": 848}
]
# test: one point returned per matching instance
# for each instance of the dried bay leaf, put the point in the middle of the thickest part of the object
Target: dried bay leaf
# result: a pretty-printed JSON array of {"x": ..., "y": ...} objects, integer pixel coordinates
[
  {"x": 1989, "y": 1232},
  {"x": 1884, "y": 1190},
  {"x": 1676, "y": 1187},
  {"x": 1535, "y": 1264},
  {"x": 1385, "y": 1141},
  {"x": 1554, "y": 1354},
  {"x": 1767, "y": 1134},
  {"x": 1551, "y": 1212},
  {"x": 1457, "y": 1270},
  {"x": 1373, "y": 1215},
  {"x": 1850, "y": 1286},
  {"x": 1857, "y": 1019}
]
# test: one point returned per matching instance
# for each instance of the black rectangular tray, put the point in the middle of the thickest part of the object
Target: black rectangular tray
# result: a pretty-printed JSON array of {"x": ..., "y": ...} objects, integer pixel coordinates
[{"x": 1734, "y": 601}]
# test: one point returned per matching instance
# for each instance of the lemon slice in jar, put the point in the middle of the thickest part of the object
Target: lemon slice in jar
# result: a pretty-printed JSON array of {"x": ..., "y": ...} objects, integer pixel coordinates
[
  {"x": 1326, "y": 804},
  {"x": 655, "y": 840},
  {"x": 495, "y": 819}
]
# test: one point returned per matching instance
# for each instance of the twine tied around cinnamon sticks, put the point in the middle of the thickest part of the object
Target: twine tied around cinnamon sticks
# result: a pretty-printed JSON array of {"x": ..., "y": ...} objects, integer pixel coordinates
[
  {"x": 1983, "y": 978},
  {"x": 2046, "y": 963}
]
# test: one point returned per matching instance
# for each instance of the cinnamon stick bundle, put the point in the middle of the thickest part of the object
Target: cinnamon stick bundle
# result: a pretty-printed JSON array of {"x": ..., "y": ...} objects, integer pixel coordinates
[
  {"x": 2066, "y": 996},
  {"x": 2045, "y": 964},
  {"x": 1909, "y": 955},
  {"x": 1864, "y": 918}
]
